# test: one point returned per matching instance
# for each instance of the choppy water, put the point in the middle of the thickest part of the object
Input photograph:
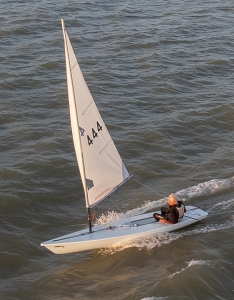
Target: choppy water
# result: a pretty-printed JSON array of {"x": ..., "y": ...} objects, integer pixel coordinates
[{"x": 162, "y": 75}]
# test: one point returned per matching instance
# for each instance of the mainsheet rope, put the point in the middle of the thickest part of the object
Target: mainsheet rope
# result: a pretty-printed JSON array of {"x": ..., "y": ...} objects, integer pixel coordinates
[
  {"x": 156, "y": 192},
  {"x": 119, "y": 209}
]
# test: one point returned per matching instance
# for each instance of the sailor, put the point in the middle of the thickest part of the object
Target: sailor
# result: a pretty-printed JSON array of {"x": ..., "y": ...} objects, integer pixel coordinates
[{"x": 172, "y": 214}]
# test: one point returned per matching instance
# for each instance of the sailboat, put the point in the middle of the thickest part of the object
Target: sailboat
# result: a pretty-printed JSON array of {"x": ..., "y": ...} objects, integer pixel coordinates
[{"x": 102, "y": 171}]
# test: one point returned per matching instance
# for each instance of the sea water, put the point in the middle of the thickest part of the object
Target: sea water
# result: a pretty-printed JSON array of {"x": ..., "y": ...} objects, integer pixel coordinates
[{"x": 161, "y": 73}]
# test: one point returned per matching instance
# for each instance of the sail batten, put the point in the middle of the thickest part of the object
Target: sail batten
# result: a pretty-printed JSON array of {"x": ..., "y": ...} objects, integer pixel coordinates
[
  {"x": 87, "y": 107},
  {"x": 101, "y": 167}
]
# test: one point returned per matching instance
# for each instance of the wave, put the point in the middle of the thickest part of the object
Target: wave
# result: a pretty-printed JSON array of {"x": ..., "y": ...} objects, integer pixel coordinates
[
  {"x": 150, "y": 242},
  {"x": 190, "y": 264},
  {"x": 155, "y": 298},
  {"x": 206, "y": 188},
  {"x": 224, "y": 205}
]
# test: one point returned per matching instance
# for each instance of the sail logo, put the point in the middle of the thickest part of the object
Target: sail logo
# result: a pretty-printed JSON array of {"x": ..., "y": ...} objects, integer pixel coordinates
[
  {"x": 103, "y": 193},
  {"x": 82, "y": 131},
  {"x": 94, "y": 134}
]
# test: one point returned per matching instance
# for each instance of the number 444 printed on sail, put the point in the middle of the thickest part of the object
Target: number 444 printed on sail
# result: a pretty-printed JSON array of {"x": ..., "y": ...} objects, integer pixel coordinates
[{"x": 94, "y": 133}]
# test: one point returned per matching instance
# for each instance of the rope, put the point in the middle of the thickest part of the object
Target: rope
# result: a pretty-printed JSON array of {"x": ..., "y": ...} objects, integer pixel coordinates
[
  {"x": 147, "y": 187},
  {"x": 120, "y": 210}
]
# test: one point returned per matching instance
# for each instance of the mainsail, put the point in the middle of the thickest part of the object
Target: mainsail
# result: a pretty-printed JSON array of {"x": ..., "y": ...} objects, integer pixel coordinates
[{"x": 101, "y": 167}]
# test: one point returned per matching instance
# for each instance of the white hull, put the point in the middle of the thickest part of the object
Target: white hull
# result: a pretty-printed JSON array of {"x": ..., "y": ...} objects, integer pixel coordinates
[{"x": 119, "y": 231}]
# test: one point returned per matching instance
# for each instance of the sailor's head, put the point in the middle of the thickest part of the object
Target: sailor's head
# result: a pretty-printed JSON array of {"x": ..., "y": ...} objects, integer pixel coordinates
[{"x": 172, "y": 199}]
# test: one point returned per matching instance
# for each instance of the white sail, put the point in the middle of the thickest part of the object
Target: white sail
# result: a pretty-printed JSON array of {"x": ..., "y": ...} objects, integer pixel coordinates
[{"x": 100, "y": 164}]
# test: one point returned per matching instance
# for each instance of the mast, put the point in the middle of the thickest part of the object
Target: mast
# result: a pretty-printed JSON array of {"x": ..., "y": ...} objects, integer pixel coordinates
[{"x": 72, "y": 102}]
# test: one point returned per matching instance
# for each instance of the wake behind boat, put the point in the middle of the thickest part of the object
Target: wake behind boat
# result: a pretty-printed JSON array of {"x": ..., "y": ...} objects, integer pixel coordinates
[{"x": 102, "y": 171}]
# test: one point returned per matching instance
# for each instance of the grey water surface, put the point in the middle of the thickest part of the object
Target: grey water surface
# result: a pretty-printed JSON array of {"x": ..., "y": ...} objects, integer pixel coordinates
[{"x": 162, "y": 75}]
